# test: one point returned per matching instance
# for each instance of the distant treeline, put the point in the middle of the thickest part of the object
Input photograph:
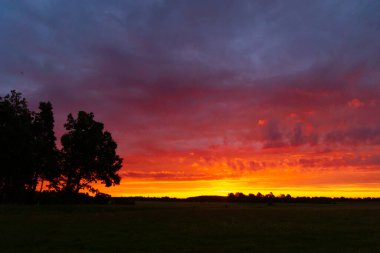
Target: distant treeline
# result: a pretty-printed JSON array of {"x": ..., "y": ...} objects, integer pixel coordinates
[
  {"x": 242, "y": 198},
  {"x": 59, "y": 197}
]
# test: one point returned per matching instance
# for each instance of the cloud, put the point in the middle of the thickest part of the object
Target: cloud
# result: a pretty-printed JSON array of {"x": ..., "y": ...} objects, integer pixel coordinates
[
  {"x": 355, "y": 103},
  {"x": 273, "y": 136},
  {"x": 172, "y": 77},
  {"x": 355, "y": 136},
  {"x": 364, "y": 161},
  {"x": 299, "y": 137}
]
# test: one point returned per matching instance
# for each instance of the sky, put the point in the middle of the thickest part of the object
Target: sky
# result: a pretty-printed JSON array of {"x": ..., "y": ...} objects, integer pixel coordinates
[{"x": 211, "y": 97}]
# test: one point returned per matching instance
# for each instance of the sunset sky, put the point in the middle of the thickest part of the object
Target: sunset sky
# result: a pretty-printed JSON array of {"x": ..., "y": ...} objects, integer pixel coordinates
[{"x": 211, "y": 97}]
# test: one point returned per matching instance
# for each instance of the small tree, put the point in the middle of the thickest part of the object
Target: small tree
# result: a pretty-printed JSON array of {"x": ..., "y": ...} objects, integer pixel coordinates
[{"x": 88, "y": 155}]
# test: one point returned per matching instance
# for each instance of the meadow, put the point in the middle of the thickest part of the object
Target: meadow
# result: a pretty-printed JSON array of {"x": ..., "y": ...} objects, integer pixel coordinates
[{"x": 191, "y": 227}]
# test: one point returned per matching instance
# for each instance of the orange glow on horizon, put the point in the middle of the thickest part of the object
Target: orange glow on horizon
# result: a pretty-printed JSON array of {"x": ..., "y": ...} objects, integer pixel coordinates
[{"x": 184, "y": 189}]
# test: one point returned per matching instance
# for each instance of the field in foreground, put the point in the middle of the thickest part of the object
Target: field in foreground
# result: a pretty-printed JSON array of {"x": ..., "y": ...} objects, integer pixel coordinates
[{"x": 191, "y": 227}]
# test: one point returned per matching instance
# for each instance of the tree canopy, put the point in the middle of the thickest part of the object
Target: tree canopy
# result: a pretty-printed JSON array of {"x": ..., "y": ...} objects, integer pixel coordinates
[
  {"x": 16, "y": 145},
  {"x": 46, "y": 153},
  {"x": 88, "y": 154}
]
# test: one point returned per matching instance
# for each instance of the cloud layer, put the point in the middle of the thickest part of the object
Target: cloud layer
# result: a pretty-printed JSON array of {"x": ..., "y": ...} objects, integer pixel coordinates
[{"x": 207, "y": 90}]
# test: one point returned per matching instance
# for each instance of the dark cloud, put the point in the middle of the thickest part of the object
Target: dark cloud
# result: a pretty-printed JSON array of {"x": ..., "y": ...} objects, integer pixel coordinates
[
  {"x": 273, "y": 135},
  {"x": 355, "y": 136},
  {"x": 299, "y": 137},
  {"x": 358, "y": 161},
  {"x": 165, "y": 175}
]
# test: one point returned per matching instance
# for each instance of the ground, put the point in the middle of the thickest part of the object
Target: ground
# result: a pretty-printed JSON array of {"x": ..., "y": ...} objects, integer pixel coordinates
[{"x": 191, "y": 227}]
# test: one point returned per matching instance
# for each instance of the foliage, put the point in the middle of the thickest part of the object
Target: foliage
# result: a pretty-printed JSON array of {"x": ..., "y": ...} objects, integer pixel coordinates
[
  {"x": 16, "y": 146},
  {"x": 46, "y": 152},
  {"x": 88, "y": 154}
]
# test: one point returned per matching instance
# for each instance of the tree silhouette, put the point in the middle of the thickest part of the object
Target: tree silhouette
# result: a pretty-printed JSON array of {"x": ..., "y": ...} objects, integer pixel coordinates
[
  {"x": 29, "y": 156},
  {"x": 88, "y": 154},
  {"x": 16, "y": 145},
  {"x": 46, "y": 152}
]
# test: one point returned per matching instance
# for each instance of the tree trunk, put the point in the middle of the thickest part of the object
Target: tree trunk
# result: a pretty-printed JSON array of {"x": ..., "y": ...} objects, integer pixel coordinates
[
  {"x": 77, "y": 185},
  {"x": 42, "y": 184},
  {"x": 68, "y": 184}
]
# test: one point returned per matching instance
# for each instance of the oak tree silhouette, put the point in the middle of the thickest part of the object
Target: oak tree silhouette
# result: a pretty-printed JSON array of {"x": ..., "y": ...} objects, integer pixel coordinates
[{"x": 88, "y": 155}]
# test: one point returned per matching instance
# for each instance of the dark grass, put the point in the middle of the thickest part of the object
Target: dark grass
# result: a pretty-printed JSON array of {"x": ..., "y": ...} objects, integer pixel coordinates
[{"x": 191, "y": 227}]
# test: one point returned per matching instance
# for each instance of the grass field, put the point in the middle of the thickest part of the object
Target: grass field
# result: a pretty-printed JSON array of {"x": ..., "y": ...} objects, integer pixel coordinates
[{"x": 191, "y": 227}]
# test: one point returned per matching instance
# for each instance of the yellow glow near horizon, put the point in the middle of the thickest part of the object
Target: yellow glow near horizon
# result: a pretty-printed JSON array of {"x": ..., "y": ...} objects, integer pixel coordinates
[{"x": 183, "y": 189}]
